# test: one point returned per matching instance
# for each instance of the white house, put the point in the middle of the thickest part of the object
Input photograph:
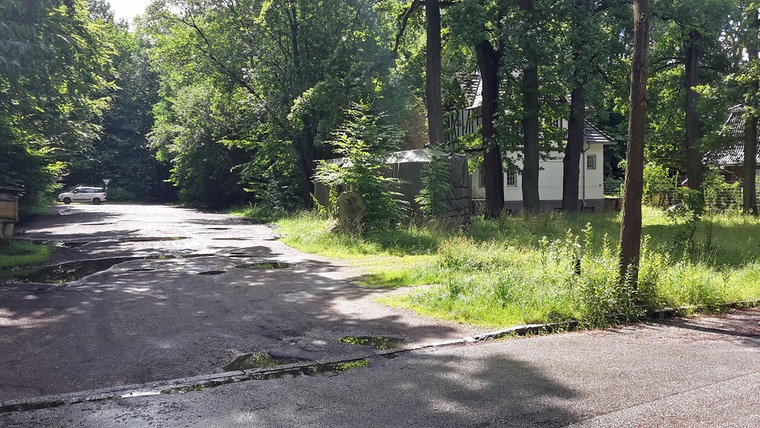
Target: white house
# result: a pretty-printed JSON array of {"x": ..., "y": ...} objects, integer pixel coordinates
[{"x": 590, "y": 180}]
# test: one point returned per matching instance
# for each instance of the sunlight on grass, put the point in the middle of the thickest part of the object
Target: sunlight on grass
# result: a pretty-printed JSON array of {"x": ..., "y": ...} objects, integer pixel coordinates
[
  {"x": 547, "y": 268},
  {"x": 24, "y": 253}
]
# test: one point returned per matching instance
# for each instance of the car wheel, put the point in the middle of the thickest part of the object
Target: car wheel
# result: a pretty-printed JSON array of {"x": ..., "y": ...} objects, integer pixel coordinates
[
  {"x": 96, "y": 201},
  {"x": 66, "y": 201}
]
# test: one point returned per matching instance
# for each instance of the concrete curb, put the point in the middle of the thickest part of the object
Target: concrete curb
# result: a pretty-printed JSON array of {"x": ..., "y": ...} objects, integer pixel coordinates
[{"x": 195, "y": 383}]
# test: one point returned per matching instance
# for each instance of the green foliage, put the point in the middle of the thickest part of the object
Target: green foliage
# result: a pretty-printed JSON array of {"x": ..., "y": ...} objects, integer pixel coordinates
[
  {"x": 364, "y": 144},
  {"x": 436, "y": 182},
  {"x": 48, "y": 108},
  {"x": 189, "y": 133},
  {"x": 659, "y": 185},
  {"x": 720, "y": 195},
  {"x": 291, "y": 68},
  {"x": 518, "y": 270},
  {"x": 686, "y": 213},
  {"x": 20, "y": 254}
]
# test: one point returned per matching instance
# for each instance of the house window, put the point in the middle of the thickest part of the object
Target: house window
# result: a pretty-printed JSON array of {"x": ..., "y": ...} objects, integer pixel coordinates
[
  {"x": 511, "y": 179},
  {"x": 591, "y": 162}
]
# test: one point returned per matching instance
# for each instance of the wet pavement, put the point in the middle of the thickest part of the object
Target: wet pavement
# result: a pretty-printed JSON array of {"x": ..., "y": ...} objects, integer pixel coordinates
[{"x": 209, "y": 321}]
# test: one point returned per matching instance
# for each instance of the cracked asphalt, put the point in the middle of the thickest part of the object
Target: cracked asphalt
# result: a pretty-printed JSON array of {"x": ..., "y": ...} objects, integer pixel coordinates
[{"x": 206, "y": 288}]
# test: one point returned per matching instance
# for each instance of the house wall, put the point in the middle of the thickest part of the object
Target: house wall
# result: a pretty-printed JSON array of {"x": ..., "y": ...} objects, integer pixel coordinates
[{"x": 550, "y": 183}]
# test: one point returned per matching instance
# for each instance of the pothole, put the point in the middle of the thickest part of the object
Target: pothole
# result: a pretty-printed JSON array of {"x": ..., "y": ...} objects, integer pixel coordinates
[
  {"x": 67, "y": 272},
  {"x": 377, "y": 342},
  {"x": 259, "y": 360},
  {"x": 152, "y": 238},
  {"x": 69, "y": 244},
  {"x": 141, "y": 270},
  {"x": 265, "y": 265},
  {"x": 218, "y": 228},
  {"x": 212, "y": 272},
  {"x": 229, "y": 239}
]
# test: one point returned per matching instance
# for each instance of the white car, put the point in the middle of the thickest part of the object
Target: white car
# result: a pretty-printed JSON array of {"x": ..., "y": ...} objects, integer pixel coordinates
[{"x": 95, "y": 195}]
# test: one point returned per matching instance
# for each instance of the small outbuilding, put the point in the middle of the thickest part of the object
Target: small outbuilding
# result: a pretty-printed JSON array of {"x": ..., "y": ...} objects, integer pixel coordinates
[
  {"x": 8, "y": 213},
  {"x": 730, "y": 159},
  {"x": 407, "y": 166}
]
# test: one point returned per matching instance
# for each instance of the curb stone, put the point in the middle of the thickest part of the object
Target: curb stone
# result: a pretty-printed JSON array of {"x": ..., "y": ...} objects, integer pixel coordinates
[{"x": 196, "y": 383}]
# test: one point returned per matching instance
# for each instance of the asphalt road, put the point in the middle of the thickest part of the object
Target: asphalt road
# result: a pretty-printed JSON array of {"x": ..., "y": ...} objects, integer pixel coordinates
[
  {"x": 189, "y": 306},
  {"x": 203, "y": 289}
]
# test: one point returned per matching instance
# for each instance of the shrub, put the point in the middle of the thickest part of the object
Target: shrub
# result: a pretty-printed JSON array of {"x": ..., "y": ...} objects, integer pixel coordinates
[{"x": 364, "y": 145}]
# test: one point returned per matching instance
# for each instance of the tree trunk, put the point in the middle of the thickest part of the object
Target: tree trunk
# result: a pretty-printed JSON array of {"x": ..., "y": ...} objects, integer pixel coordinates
[
  {"x": 574, "y": 150},
  {"x": 693, "y": 154},
  {"x": 749, "y": 202},
  {"x": 530, "y": 124},
  {"x": 630, "y": 228},
  {"x": 493, "y": 175},
  {"x": 433, "y": 72}
]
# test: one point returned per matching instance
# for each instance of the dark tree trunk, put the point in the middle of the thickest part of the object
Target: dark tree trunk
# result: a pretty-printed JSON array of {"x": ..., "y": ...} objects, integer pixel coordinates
[
  {"x": 530, "y": 124},
  {"x": 693, "y": 154},
  {"x": 630, "y": 228},
  {"x": 493, "y": 175},
  {"x": 749, "y": 202},
  {"x": 433, "y": 72},
  {"x": 574, "y": 150},
  {"x": 304, "y": 145}
]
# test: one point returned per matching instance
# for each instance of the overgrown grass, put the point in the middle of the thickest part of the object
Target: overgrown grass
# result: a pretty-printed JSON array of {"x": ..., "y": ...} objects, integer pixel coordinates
[
  {"x": 548, "y": 268},
  {"x": 20, "y": 254}
]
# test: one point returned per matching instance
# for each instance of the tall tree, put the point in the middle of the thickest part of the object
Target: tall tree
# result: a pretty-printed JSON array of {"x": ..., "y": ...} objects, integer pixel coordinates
[
  {"x": 592, "y": 39},
  {"x": 54, "y": 69},
  {"x": 433, "y": 72},
  {"x": 489, "y": 59},
  {"x": 630, "y": 227},
  {"x": 687, "y": 54},
  {"x": 752, "y": 112},
  {"x": 530, "y": 105},
  {"x": 479, "y": 26},
  {"x": 300, "y": 62}
]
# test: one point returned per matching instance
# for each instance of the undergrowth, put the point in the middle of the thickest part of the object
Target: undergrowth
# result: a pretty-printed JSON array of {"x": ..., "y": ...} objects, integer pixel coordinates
[
  {"x": 547, "y": 268},
  {"x": 19, "y": 254}
]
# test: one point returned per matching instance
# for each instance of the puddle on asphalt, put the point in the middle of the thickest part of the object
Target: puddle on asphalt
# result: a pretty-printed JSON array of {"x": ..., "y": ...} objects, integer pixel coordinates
[
  {"x": 212, "y": 272},
  {"x": 265, "y": 265},
  {"x": 141, "y": 270},
  {"x": 305, "y": 370},
  {"x": 377, "y": 342},
  {"x": 259, "y": 360}
]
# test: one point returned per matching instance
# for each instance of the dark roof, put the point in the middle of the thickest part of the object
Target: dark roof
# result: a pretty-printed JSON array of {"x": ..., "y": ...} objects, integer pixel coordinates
[
  {"x": 734, "y": 130},
  {"x": 594, "y": 135},
  {"x": 473, "y": 92}
]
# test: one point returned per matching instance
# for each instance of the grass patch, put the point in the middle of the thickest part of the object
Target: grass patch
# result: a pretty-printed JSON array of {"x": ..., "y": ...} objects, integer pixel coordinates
[
  {"x": 19, "y": 254},
  {"x": 521, "y": 270}
]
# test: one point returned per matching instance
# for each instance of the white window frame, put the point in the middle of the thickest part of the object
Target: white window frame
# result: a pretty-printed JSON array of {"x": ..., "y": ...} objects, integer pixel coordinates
[
  {"x": 591, "y": 162},
  {"x": 510, "y": 177}
]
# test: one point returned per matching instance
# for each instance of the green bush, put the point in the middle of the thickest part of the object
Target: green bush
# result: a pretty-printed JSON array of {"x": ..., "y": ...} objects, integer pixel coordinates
[
  {"x": 364, "y": 145},
  {"x": 658, "y": 185}
]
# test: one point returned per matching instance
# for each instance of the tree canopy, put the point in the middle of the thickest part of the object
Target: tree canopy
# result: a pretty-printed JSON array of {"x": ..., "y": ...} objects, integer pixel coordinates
[{"x": 221, "y": 102}]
